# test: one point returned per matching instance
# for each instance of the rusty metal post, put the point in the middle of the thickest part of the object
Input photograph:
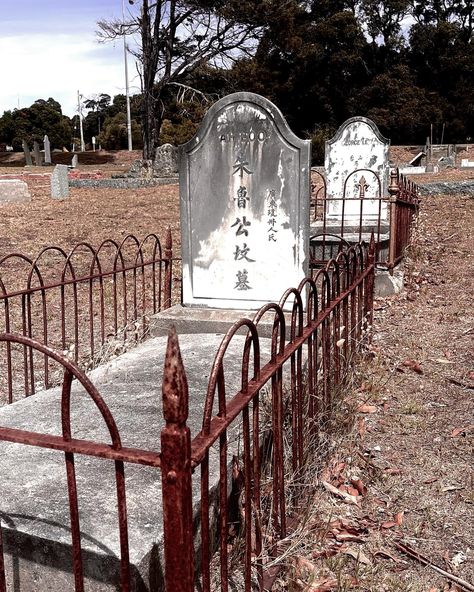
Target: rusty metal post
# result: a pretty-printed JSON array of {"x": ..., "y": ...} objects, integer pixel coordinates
[
  {"x": 394, "y": 191},
  {"x": 370, "y": 284},
  {"x": 168, "y": 259},
  {"x": 176, "y": 474}
]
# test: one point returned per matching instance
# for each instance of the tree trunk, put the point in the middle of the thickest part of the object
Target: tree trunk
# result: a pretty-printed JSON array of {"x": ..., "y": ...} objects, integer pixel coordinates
[{"x": 148, "y": 124}]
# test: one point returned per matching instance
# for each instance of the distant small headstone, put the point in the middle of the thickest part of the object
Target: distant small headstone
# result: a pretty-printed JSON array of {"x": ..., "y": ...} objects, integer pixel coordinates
[
  {"x": 14, "y": 190},
  {"x": 166, "y": 161},
  {"x": 357, "y": 146},
  {"x": 141, "y": 169},
  {"x": 74, "y": 161},
  {"x": 60, "y": 182},
  {"x": 446, "y": 161},
  {"x": 47, "y": 150},
  {"x": 244, "y": 192},
  {"x": 27, "y": 153},
  {"x": 37, "y": 154}
]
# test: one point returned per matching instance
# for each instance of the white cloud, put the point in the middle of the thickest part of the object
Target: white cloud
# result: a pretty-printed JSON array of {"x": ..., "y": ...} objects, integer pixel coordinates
[{"x": 40, "y": 66}]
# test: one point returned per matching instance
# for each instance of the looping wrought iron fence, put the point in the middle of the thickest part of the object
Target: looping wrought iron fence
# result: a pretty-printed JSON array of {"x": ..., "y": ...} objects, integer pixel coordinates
[
  {"x": 288, "y": 389},
  {"x": 339, "y": 221},
  {"x": 88, "y": 303}
]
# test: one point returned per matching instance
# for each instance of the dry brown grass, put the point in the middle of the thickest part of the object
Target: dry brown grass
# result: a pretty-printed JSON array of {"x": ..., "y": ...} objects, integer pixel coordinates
[
  {"x": 414, "y": 451},
  {"x": 414, "y": 454}
]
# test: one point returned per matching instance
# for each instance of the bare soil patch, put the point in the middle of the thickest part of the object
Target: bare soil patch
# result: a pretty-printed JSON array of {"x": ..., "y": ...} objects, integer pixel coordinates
[{"x": 91, "y": 215}]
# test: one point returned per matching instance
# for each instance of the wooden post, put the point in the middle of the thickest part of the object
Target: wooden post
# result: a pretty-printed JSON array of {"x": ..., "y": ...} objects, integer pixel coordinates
[{"x": 176, "y": 474}]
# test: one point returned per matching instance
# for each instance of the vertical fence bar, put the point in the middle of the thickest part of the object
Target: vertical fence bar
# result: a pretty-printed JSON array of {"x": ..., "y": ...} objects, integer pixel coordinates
[
  {"x": 168, "y": 258},
  {"x": 369, "y": 286},
  {"x": 394, "y": 191},
  {"x": 176, "y": 473}
]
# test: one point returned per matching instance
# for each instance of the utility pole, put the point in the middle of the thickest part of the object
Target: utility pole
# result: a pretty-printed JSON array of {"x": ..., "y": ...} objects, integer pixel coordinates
[
  {"x": 127, "y": 92},
  {"x": 79, "y": 111}
]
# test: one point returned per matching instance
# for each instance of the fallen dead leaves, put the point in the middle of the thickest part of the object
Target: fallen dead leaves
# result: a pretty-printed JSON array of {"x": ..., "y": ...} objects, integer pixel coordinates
[{"x": 411, "y": 365}]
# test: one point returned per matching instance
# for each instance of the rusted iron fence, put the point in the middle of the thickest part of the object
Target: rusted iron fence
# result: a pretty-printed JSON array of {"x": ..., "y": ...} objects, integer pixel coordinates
[
  {"x": 404, "y": 206},
  {"x": 340, "y": 221},
  {"x": 270, "y": 425},
  {"x": 88, "y": 303}
]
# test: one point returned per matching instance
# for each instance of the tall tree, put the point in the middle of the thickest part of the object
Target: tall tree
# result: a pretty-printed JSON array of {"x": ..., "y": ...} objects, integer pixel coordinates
[
  {"x": 384, "y": 18},
  {"x": 175, "y": 38}
]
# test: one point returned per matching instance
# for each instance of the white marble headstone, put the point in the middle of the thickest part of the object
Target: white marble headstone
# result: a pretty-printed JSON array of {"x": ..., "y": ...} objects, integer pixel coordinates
[
  {"x": 244, "y": 190},
  {"x": 356, "y": 160}
]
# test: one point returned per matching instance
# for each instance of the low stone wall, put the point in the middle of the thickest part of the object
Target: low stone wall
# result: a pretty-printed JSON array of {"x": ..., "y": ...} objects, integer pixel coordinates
[
  {"x": 125, "y": 183},
  {"x": 92, "y": 179},
  {"x": 449, "y": 187}
]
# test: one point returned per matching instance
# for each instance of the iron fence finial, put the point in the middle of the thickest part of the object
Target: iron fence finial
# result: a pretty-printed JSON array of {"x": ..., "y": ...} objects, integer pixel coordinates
[{"x": 175, "y": 383}]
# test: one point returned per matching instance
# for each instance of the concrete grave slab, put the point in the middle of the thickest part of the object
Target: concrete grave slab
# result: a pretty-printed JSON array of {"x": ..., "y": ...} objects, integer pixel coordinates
[
  {"x": 14, "y": 190},
  {"x": 244, "y": 191},
  {"x": 34, "y": 510},
  {"x": 357, "y": 146}
]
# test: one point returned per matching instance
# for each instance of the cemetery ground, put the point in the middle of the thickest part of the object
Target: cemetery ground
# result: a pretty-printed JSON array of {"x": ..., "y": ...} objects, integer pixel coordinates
[{"x": 401, "y": 462}]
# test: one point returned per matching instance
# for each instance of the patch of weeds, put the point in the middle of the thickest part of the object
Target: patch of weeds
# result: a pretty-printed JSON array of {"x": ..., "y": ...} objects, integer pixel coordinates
[{"x": 411, "y": 408}]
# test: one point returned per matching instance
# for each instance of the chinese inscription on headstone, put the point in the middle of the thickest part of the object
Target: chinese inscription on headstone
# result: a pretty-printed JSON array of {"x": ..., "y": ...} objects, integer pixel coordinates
[{"x": 244, "y": 186}]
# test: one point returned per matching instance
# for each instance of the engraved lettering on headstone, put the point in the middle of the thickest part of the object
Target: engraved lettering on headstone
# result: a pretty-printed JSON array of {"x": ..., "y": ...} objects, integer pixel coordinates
[
  {"x": 242, "y": 253},
  {"x": 242, "y": 281},
  {"x": 241, "y": 226},
  {"x": 242, "y": 197},
  {"x": 272, "y": 213},
  {"x": 240, "y": 167}
]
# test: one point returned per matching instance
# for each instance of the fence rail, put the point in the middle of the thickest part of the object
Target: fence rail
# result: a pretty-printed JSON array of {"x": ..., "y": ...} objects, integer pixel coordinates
[
  {"x": 404, "y": 205},
  {"x": 361, "y": 209},
  {"x": 285, "y": 399},
  {"x": 88, "y": 303}
]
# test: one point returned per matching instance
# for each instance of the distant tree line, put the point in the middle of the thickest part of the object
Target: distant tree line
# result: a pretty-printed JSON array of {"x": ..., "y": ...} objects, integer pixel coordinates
[{"x": 406, "y": 64}]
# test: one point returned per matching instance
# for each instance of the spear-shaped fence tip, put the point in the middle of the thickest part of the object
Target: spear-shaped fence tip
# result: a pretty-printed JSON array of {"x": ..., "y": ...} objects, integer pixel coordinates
[{"x": 175, "y": 383}]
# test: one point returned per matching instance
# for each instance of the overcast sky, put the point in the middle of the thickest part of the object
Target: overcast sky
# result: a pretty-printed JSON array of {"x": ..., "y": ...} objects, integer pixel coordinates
[{"x": 49, "y": 48}]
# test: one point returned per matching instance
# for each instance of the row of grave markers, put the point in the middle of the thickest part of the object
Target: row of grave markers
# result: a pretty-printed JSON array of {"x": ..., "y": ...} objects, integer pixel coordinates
[
  {"x": 37, "y": 153},
  {"x": 245, "y": 194}
]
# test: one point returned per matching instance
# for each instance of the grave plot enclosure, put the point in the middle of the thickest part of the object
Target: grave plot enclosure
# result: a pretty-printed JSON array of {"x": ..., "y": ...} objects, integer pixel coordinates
[{"x": 244, "y": 190}]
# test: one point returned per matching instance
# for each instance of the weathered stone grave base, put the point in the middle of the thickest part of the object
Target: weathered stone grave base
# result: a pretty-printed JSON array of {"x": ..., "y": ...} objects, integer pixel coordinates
[
  {"x": 326, "y": 246},
  {"x": 12, "y": 190},
  {"x": 206, "y": 320},
  {"x": 386, "y": 283},
  {"x": 34, "y": 510}
]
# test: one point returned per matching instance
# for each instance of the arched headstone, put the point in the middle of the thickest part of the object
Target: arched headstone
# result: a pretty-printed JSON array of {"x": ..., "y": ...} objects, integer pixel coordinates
[
  {"x": 357, "y": 146},
  {"x": 244, "y": 190}
]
